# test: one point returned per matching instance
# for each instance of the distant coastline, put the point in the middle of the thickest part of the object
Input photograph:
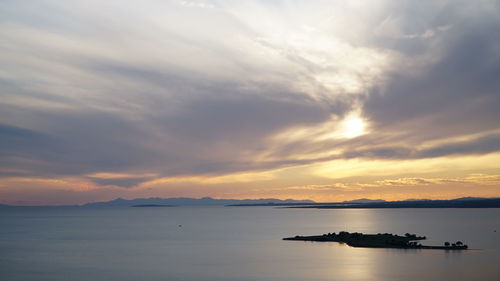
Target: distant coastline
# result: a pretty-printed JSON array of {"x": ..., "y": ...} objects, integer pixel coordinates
[
  {"x": 151, "y": 205},
  {"x": 466, "y": 202},
  {"x": 454, "y": 203},
  {"x": 378, "y": 204}
]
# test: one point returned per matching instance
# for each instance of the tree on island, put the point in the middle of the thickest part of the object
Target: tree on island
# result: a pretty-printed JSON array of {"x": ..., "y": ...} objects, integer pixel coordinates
[{"x": 447, "y": 244}]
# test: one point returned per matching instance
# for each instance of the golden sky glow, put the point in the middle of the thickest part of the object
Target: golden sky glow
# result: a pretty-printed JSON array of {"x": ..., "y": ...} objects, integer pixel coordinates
[{"x": 322, "y": 100}]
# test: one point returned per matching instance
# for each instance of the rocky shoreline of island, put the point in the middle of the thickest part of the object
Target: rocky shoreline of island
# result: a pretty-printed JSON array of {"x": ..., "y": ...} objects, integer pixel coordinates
[{"x": 380, "y": 240}]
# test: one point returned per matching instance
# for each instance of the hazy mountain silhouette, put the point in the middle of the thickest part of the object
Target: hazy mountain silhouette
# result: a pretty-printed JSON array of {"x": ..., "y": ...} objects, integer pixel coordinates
[
  {"x": 464, "y": 202},
  {"x": 364, "y": 200},
  {"x": 453, "y": 203},
  {"x": 183, "y": 201}
]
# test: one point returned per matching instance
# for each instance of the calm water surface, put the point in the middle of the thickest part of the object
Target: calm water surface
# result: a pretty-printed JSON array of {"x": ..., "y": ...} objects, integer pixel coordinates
[{"x": 240, "y": 243}]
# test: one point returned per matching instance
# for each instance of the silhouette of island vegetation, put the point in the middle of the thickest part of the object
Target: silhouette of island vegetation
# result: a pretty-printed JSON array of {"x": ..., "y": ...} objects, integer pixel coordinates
[{"x": 380, "y": 240}]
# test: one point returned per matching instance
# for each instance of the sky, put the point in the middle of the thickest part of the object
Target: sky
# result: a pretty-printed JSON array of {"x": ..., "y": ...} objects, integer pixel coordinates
[{"x": 322, "y": 100}]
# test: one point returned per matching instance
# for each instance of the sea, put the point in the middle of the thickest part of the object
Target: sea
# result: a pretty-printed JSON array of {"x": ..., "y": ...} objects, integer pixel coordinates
[{"x": 240, "y": 244}]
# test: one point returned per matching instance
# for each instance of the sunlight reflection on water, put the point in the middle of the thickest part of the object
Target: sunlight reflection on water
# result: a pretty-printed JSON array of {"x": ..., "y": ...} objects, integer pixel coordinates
[{"x": 218, "y": 243}]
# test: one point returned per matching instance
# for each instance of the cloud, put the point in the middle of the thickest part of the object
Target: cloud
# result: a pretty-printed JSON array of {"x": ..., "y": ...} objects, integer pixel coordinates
[
  {"x": 327, "y": 187},
  {"x": 403, "y": 182},
  {"x": 123, "y": 182},
  {"x": 481, "y": 145},
  {"x": 195, "y": 107},
  {"x": 449, "y": 88},
  {"x": 442, "y": 88},
  {"x": 474, "y": 179},
  {"x": 489, "y": 143},
  {"x": 171, "y": 89}
]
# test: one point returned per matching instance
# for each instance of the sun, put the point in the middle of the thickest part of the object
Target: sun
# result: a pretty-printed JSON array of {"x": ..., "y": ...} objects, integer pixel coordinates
[{"x": 352, "y": 126}]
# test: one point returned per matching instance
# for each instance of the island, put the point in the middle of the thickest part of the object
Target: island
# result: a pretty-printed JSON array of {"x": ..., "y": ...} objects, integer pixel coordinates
[{"x": 380, "y": 240}]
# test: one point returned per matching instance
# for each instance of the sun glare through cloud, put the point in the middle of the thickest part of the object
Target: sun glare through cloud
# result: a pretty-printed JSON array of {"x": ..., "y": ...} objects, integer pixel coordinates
[{"x": 352, "y": 126}]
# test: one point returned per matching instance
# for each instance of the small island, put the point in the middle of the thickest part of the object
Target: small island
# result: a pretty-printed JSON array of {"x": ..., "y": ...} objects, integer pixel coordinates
[{"x": 385, "y": 240}]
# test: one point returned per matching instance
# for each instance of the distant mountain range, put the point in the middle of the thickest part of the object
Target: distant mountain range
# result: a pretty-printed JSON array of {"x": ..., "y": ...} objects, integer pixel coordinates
[
  {"x": 182, "y": 201},
  {"x": 464, "y": 202},
  {"x": 364, "y": 200}
]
